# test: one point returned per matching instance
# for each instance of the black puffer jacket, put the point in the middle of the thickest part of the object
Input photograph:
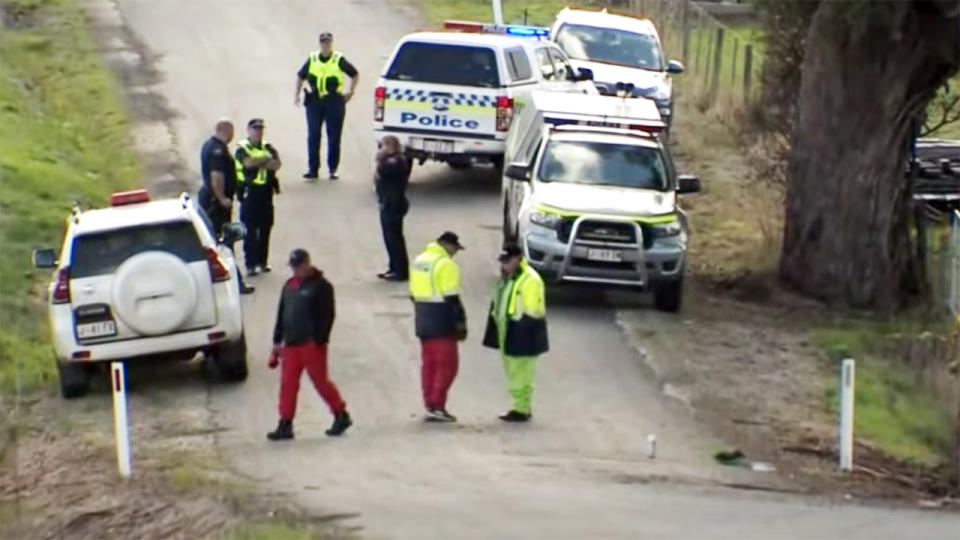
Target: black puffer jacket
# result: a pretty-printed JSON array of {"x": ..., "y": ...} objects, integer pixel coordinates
[{"x": 306, "y": 311}]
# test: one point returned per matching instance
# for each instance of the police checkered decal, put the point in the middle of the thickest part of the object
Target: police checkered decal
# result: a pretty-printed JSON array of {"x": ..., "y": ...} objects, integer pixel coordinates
[{"x": 423, "y": 96}]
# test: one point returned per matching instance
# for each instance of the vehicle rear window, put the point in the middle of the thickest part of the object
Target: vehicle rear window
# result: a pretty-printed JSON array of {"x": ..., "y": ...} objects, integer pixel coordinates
[
  {"x": 518, "y": 65},
  {"x": 102, "y": 253},
  {"x": 445, "y": 64}
]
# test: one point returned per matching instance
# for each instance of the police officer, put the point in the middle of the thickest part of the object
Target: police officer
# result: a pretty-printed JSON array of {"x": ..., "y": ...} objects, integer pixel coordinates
[
  {"x": 257, "y": 162},
  {"x": 391, "y": 179},
  {"x": 219, "y": 182},
  {"x": 325, "y": 101},
  {"x": 517, "y": 327},
  {"x": 440, "y": 321}
]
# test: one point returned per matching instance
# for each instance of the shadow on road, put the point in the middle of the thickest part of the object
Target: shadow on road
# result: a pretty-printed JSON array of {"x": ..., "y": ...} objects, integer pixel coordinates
[
  {"x": 153, "y": 376},
  {"x": 432, "y": 181}
]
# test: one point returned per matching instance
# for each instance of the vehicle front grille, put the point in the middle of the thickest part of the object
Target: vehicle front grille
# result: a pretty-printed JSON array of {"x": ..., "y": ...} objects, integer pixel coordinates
[{"x": 605, "y": 231}]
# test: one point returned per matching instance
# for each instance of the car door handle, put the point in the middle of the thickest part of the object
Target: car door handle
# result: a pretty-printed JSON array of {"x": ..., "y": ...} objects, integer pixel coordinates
[{"x": 88, "y": 290}]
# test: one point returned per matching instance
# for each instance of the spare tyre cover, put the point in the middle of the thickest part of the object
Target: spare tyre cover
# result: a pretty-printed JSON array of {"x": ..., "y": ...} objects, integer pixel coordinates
[{"x": 154, "y": 293}]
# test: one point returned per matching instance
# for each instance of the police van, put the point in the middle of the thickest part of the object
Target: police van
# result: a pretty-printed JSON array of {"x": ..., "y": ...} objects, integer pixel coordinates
[
  {"x": 591, "y": 194},
  {"x": 449, "y": 96}
]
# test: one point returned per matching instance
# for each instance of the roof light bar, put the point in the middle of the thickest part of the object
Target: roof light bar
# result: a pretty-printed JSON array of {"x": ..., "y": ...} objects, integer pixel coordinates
[
  {"x": 121, "y": 198},
  {"x": 517, "y": 30},
  {"x": 648, "y": 127}
]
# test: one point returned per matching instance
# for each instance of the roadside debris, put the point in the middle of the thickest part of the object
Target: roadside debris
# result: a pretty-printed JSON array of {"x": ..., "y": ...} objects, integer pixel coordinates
[{"x": 736, "y": 458}]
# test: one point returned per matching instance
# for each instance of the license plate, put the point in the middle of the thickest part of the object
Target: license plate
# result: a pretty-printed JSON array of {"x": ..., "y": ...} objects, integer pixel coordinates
[
  {"x": 96, "y": 330},
  {"x": 605, "y": 255},
  {"x": 433, "y": 145}
]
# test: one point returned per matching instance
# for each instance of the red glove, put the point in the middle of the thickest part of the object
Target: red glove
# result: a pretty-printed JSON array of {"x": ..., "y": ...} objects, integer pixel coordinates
[{"x": 274, "y": 360}]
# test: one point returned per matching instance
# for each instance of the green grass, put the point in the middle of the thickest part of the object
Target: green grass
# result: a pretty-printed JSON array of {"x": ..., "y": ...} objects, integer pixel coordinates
[
  {"x": 275, "y": 531},
  {"x": 893, "y": 410},
  {"x": 65, "y": 136},
  {"x": 539, "y": 12}
]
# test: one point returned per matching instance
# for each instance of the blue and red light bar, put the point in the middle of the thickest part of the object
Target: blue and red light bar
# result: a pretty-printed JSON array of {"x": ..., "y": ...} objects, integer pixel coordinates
[{"x": 517, "y": 30}]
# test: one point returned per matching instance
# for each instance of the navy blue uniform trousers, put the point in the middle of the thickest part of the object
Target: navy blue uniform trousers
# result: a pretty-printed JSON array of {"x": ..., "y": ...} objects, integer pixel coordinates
[{"x": 329, "y": 110}]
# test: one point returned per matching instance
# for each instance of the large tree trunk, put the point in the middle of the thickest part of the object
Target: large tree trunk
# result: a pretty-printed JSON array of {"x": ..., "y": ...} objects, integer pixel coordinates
[{"x": 869, "y": 68}]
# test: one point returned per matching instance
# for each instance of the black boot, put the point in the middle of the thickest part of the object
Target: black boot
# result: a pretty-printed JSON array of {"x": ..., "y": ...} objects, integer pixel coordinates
[
  {"x": 283, "y": 432},
  {"x": 516, "y": 416},
  {"x": 341, "y": 422}
]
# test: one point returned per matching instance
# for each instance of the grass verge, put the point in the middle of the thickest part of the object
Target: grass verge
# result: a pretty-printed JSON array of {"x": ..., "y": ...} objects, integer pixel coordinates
[
  {"x": 895, "y": 409},
  {"x": 65, "y": 136}
]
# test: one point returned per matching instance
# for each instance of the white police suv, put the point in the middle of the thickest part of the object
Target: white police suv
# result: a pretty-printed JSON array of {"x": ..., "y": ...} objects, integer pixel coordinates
[
  {"x": 618, "y": 49},
  {"x": 449, "y": 96},
  {"x": 143, "y": 279}
]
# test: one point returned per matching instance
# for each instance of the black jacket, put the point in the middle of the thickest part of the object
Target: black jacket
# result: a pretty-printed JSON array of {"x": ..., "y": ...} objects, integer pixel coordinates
[
  {"x": 391, "y": 182},
  {"x": 306, "y": 311}
]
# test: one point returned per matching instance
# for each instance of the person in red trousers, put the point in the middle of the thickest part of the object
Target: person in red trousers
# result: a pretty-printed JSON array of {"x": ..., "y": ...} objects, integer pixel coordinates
[
  {"x": 440, "y": 321},
  {"x": 304, "y": 320}
]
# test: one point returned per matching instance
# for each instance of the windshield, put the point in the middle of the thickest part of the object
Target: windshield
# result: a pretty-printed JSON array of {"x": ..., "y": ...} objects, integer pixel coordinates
[
  {"x": 604, "y": 164},
  {"x": 445, "y": 64},
  {"x": 610, "y": 46}
]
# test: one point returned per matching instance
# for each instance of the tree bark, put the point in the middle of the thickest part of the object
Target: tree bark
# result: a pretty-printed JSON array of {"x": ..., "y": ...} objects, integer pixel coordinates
[{"x": 868, "y": 70}]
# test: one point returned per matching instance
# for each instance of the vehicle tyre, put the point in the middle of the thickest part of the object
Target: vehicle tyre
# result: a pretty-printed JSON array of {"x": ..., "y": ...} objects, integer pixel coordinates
[
  {"x": 668, "y": 295},
  {"x": 74, "y": 379},
  {"x": 231, "y": 360}
]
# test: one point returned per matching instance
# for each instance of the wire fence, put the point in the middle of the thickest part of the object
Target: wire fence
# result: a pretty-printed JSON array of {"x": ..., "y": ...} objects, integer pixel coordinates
[{"x": 722, "y": 62}]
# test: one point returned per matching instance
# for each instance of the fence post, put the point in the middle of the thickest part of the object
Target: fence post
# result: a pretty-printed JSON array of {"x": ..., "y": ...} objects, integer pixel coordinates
[
  {"x": 747, "y": 68},
  {"x": 696, "y": 56},
  {"x": 717, "y": 62},
  {"x": 685, "y": 23},
  {"x": 733, "y": 69}
]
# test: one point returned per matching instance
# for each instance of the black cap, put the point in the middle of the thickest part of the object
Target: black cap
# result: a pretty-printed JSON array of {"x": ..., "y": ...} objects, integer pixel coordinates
[
  {"x": 510, "y": 251},
  {"x": 326, "y": 36},
  {"x": 450, "y": 238},
  {"x": 255, "y": 122},
  {"x": 298, "y": 257}
]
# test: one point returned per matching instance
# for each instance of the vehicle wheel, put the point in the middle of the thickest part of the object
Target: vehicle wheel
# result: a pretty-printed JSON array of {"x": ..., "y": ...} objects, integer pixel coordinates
[
  {"x": 74, "y": 379},
  {"x": 668, "y": 295},
  {"x": 231, "y": 360}
]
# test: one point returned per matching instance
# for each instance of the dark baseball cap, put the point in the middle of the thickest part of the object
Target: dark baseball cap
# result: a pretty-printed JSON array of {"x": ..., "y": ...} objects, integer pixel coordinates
[
  {"x": 326, "y": 36},
  {"x": 255, "y": 122},
  {"x": 298, "y": 257},
  {"x": 510, "y": 251},
  {"x": 451, "y": 238}
]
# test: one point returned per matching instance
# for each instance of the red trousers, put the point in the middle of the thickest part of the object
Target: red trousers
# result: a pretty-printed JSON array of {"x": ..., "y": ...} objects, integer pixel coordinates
[
  {"x": 312, "y": 357},
  {"x": 438, "y": 370}
]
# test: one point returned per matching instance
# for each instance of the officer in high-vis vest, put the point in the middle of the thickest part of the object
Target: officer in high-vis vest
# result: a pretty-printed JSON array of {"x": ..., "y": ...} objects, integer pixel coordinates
[
  {"x": 326, "y": 96},
  {"x": 517, "y": 326},
  {"x": 257, "y": 162},
  {"x": 440, "y": 321}
]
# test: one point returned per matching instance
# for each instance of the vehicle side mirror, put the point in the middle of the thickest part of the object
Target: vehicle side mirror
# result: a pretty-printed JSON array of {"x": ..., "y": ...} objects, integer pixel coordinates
[
  {"x": 232, "y": 232},
  {"x": 517, "y": 171},
  {"x": 674, "y": 67},
  {"x": 584, "y": 74},
  {"x": 45, "y": 258},
  {"x": 687, "y": 183}
]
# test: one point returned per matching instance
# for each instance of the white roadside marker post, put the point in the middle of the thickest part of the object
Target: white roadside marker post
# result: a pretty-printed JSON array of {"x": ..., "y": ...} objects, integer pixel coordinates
[
  {"x": 497, "y": 13},
  {"x": 651, "y": 446},
  {"x": 120, "y": 427},
  {"x": 847, "y": 373}
]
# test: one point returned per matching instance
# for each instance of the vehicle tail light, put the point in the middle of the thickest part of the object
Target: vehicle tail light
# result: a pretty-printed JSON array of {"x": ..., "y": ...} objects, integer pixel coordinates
[
  {"x": 81, "y": 355},
  {"x": 504, "y": 113},
  {"x": 379, "y": 97},
  {"x": 218, "y": 272},
  {"x": 61, "y": 291}
]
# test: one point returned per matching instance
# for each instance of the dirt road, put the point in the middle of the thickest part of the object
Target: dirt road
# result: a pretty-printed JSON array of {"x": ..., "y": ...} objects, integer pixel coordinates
[{"x": 578, "y": 471}]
